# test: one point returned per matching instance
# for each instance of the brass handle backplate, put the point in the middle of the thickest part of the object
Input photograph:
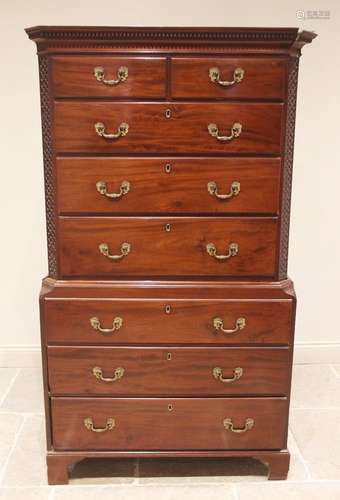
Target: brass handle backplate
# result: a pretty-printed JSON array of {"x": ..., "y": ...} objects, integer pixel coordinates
[
  {"x": 122, "y": 130},
  {"x": 235, "y": 189},
  {"x": 232, "y": 252},
  {"x": 229, "y": 426},
  {"x": 214, "y": 75},
  {"x": 235, "y": 131},
  {"x": 102, "y": 189},
  {"x": 117, "y": 374},
  {"x": 239, "y": 325},
  {"x": 116, "y": 324},
  {"x": 122, "y": 75},
  {"x": 110, "y": 423},
  {"x": 124, "y": 251},
  {"x": 218, "y": 374}
]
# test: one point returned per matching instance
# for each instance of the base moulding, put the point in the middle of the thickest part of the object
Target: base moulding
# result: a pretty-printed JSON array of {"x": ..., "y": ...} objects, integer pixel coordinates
[{"x": 59, "y": 463}]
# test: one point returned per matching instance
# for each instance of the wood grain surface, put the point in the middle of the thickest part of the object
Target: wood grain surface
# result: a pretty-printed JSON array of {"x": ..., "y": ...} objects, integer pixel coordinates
[
  {"x": 158, "y": 252},
  {"x": 168, "y": 321},
  {"x": 168, "y": 371},
  {"x": 263, "y": 78},
  {"x": 150, "y": 131},
  {"x": 73, "y": 76},
  {"x": 147, "y": 424},
  {"x": 168, "y": 185}
]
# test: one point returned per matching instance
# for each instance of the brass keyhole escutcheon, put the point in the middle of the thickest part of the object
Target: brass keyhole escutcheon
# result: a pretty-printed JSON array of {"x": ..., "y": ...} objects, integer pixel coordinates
[
  {"x": 169, "y": 356},
  {"x": 170, "y": 407},
  {"x": 167, "y": 309},
  {"x": 168, "y": 168},
  {"x": 167, "y": 228},
  {"x": 168, "y": 113}
]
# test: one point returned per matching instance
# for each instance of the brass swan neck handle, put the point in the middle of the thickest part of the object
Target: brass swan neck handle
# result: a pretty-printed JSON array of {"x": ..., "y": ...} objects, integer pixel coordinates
[
  {"x": 110, "y": 424},
  {"x": 240, "y": 323},
  {"x": 122, "y": 75},
  {"x": 103, "y": 190},
  {"x": 235, "y": 131},
  {"x": 214, "y": 75},
  {"x": 232, "y": 251},
  {"x": 229, "y": 426},
  {"x": 122, "y": 130},
  {"x": 235, "y": 189},
  {"x": 124, "y": 251}
]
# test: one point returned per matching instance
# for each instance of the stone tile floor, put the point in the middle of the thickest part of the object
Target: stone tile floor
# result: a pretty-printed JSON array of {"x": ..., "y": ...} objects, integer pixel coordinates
[{"x": 314, "y": 442}]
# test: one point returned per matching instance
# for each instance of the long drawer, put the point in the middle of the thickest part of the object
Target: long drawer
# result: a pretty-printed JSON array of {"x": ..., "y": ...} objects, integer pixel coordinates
[
  {"x": 169, "y": 424},
  {"x": 168, "y": 127},
  {"x": 126, "y": 246},
  {"x": 168, "y": 371},
  {"x": 169, "y": 185},
  {"x": 167, "y": 321}
]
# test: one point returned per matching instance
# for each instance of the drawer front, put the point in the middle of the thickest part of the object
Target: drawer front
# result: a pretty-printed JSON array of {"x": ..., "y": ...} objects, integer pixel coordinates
[
  {"x": 167, "y": 321},
  {"x": 174, "y": 371},
  {"x": 170, "y": 185},
  {"x": 203, "y": 424},
  {"x": 167, "y": 246},
  {"x": 186, "y": 130},
  {"x": 259, "y": 78},
  {"x": 106, "y": 76}
]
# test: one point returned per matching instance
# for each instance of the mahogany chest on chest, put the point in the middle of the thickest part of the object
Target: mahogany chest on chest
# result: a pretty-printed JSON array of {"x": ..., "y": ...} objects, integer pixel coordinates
[{"x": 167, "y": 317}]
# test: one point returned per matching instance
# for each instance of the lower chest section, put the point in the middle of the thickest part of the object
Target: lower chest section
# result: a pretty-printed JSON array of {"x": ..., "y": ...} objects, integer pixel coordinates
[{"x": 168, "y": 367}]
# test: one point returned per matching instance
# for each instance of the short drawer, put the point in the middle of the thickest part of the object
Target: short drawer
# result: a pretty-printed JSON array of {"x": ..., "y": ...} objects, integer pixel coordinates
[
  {"x": 107, "y": 76},
  {"x": 126, "y": 246},
  {"x": 171, "y": 371},
  {"x": 169, "y": 424},
  {"x": 168, "y": 321},
  {"x": 228, "y": 78},
  {"x": 168, "y": 127},
  {"x": 169, "y": 185}
]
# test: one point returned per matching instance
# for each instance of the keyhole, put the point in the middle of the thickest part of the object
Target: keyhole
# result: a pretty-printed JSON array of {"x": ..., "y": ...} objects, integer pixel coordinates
[
  {"x": 169, "y": 356},
  {"x": 168, "y": 168},
  {"x": 170, "y": 407},
  {"x": 167, "y": 227},
  {"x": 168, "y": 113},
  {"x": 167, "y": 309}
]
